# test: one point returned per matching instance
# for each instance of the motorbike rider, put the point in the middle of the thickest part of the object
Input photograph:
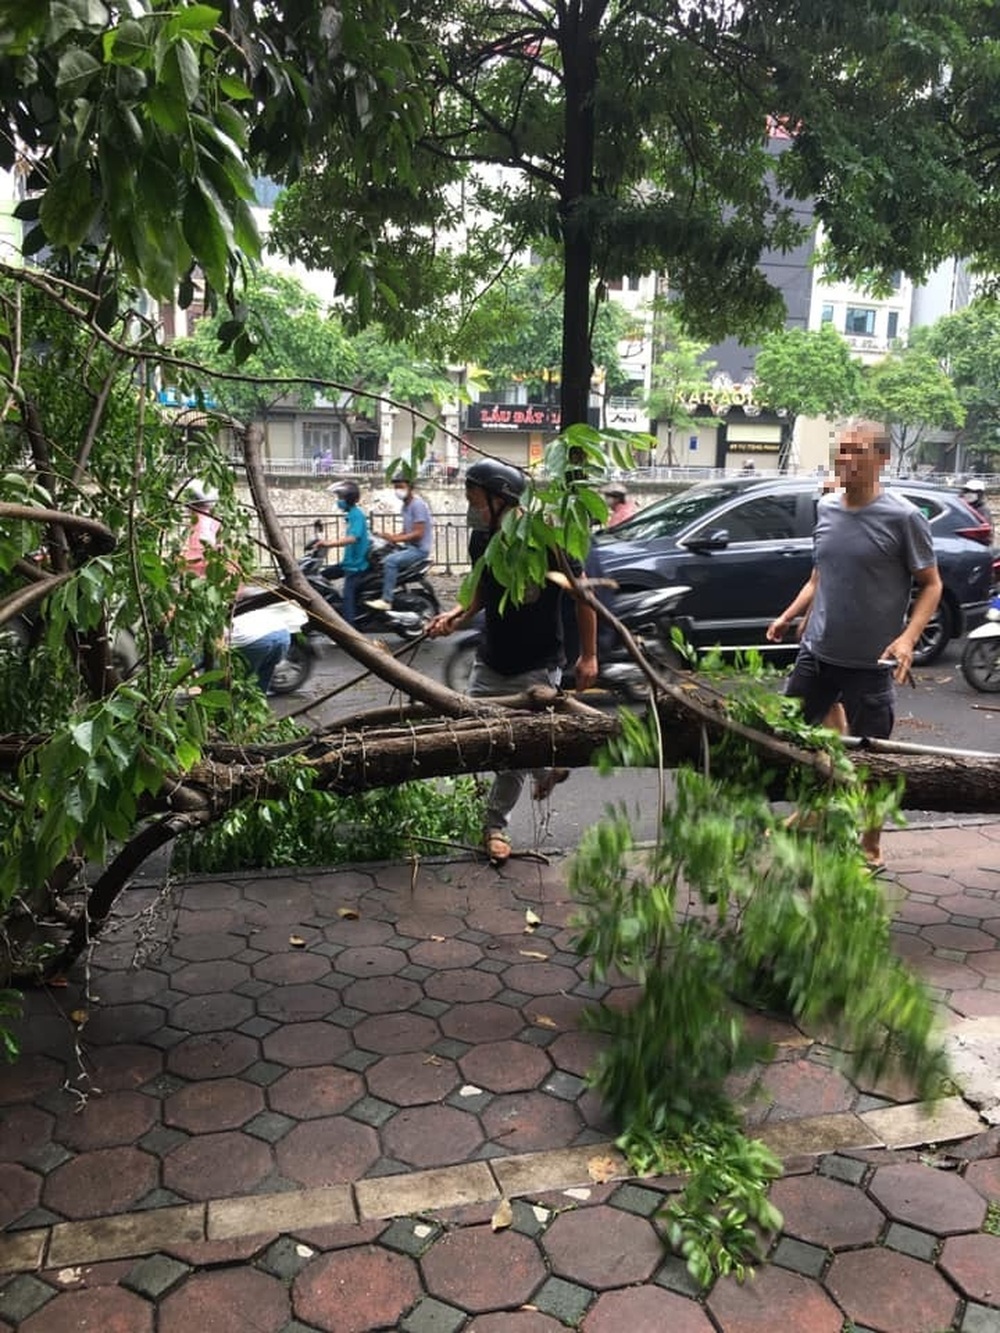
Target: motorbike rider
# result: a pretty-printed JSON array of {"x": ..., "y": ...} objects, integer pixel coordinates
[
  {"x": 521, "y": 646},
  {"x": 414, "y": 543},
  {"x": 973, "y": 492},
  {"x": 205, "y": 527},
  {"x": 620, "y": 507},
  {"x": 356, "y": 543}
]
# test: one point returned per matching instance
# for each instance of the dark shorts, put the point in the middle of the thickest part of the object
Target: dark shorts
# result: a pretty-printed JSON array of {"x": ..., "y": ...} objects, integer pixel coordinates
[{"x": 867, "y": 693}]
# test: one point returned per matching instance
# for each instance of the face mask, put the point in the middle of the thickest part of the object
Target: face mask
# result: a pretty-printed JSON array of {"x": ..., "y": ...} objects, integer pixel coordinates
[
  {"x": 343, "y": 505},
  {"x": 400, "y": 495},
  {"x": 476, "y": 521}
]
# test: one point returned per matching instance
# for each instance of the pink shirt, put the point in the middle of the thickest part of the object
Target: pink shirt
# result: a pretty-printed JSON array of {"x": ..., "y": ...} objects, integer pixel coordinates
[
  {"x": 204, "y": 532},
  {"x": 620, "y": 513}
]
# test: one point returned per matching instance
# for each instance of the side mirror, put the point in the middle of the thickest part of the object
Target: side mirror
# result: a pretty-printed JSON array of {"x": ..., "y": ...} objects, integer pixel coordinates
[{"x": 710, "y": 541}]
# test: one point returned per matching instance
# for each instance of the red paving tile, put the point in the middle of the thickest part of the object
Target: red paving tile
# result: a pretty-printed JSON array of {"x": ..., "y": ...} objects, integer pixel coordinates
[
  {"x": 352, "y": 1291},
  {"x": 327, "y": 1152},
  {"x": 488, "y": 1021},
  {"x": 28, "y": 1077},
  {"x": 19, "y": 1191},
  {"x": 516, "y": 1321},
  {"x": 306, "y": 1094},
  {"x": 799, "y": 1088},
  {"x": 213, "y": 1166},
  {"x": 373, "y": 961},
  {"x": 445, "y": 953},
  {"x": 776, "y": 1300},
  {"x": 220, "y": 1103},
  {"x": 289, "y": 969},
  {"x": 973, "y": 1264},
  {"x": 24, "y": 1131},
  {"x": 392, "y": 1034},
  {"x": 531, "y": 1121},
  {"x": 210, "y": 978},
  {"x": 383, "y": 995},
  {"x": 298, "y": 1004},
  {"x": 505, "y": 1066},
  {"x": 95, "y": 1184},
  {"x": 645, "y": 1310},
  {"x": 923, "y": 1196},
  {"x": 211, "y": 1013},
  {"x": 214, "y": 1055},
  {"x": 825, "y": 1212},
  {"x": 108, "y": 1309},
  {"x": 412, "y": 1079},
  {"x": 226, "y": 1302},
  {"x": 424, "y": 1136},
  {"x": 984, "y": 1177},
  {"x": 302, "y": 1044},
  {"x": 478, "y": 1269},
  {"x": 881, "y": 1289},
  {"x": 116, "y": 1118},
  {"x": 120, "y": 1068},
  {"x": 463, "y": 985},
  {"x": 603, "y": 1247}
]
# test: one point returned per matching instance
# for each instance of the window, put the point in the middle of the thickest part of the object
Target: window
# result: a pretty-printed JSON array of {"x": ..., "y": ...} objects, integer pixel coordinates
[
  {"x": 764, "y": 518},
  {"x": 826, "y": 315},
  {"x": 860, "y": 321},
  {"x": 321, "y": 437},
  {"x": 892, "y": 325},
  {"x": 631, "y": 283}
]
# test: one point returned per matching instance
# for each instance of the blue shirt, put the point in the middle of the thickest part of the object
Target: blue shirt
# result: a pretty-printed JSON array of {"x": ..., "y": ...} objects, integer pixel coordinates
[
  {"x": 414, "y": 512},
  {"x": 355, "y": 559}
]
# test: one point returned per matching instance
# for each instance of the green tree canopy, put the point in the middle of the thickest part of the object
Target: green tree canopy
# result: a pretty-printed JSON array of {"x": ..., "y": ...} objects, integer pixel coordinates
[
  {"x": 290, "y": 335},
  {"x": 910, "y": 392},
  {"x": 807, "y": 374},
  {"x": 680, "y": 374},
  {"x": 968, "y": 344}
]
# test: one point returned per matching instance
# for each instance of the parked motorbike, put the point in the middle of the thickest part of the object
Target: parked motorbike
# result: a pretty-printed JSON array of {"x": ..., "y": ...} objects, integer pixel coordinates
[
  {"x": 981, "y": 654},
  {"x": 649, "y": 618},
  {"x": 414, "y": 601}
]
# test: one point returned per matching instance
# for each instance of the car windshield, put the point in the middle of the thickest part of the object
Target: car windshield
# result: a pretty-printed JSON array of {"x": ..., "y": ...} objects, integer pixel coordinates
[{"x": 669, "y": 517}]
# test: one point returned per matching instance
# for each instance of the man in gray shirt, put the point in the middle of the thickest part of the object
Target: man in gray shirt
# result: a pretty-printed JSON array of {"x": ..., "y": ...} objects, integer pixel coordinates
[{"x": 870, "y": 547}]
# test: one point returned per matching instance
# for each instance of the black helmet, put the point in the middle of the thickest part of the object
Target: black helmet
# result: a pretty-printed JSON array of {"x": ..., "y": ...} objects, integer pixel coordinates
[
  {"x": 496, "y": 478},
  {"x": 346, "y": 490}
]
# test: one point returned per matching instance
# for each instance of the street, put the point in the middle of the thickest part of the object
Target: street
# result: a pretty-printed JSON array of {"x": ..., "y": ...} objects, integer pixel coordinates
[{"x": 941, "y": 711}]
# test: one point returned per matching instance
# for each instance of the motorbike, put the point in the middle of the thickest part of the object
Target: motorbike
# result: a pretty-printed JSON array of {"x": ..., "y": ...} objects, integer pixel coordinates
[
  {"x": 647, "y": 615},
  {"x": 981, "y": 654},
  {"x": 414, "y": 601}
]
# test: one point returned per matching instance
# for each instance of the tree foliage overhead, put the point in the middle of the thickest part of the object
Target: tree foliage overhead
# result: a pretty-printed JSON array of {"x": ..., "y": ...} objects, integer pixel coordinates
[
  {"x": 802, "y": 373},
  {"x": 642, "y": 136},
  {"x": 912, "y": 394},
  {"x": 968, "y": 343}
]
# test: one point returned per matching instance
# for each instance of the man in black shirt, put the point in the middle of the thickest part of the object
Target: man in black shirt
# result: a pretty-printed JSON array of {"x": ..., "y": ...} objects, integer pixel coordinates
[{"x": 521, "y": 646}]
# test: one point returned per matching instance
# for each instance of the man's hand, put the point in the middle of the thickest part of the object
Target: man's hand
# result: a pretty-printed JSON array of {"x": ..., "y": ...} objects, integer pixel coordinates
[
  {"x": 445, "y": 623},
  {"x": 585, "y": 672},
  {"x": 777, "y": 629},
  {"x": 899, "y": 651}
]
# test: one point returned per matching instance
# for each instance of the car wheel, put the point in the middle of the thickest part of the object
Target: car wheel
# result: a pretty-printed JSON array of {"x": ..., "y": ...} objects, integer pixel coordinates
[{"x": 937, "y": 634}]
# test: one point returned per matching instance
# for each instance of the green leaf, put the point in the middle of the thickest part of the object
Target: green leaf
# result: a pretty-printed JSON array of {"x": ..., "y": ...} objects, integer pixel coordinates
[
  {"x": 69, "y": 207},
  {"x": 75, "y": 72},
  {"x": 195, "y": 18}
]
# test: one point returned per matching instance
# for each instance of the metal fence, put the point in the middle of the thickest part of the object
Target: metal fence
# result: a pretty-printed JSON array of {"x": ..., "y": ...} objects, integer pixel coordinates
[{"x": 451, "y": 536}]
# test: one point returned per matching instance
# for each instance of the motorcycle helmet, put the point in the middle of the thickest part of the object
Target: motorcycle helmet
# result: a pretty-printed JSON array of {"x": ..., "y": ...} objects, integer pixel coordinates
[
  {"x": 198, "y": 495},
  {"x": 616, "y": 490},
  {"x": 974, "y": 487},
  {"x": 496, "y": 478},
  {"x": 348, "y": 491}
]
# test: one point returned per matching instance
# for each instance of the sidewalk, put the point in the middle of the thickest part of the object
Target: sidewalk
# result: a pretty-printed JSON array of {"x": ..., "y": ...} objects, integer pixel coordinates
[{"x": 303, "y": 1111}]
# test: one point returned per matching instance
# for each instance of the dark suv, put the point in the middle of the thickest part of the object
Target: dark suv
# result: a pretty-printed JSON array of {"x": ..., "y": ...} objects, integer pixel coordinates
[{"x": 744, "y": 545}]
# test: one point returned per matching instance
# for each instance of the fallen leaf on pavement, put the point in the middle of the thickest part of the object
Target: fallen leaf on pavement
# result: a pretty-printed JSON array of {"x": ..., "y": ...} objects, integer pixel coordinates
[
  {"x": 532, "y": 953},
  {"x": 296, "y": 941},
  {"x": 438, "y": 939},
  {"x": 532, "y": 918},
  {"x": 543, "y": 1021},
  {"x": 348, "y": 913},
  {"x": 602, "y": 1169},
  {"x": 79, "y": 1016},
  {"x": 503, "y": 1216}
]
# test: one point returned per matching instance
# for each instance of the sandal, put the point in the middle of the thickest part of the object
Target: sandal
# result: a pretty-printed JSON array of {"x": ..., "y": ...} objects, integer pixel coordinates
[
  {"x": 875, "y": 867},
  {"x": 546, "y": 781},
  {"x": 497, "y": 846}
]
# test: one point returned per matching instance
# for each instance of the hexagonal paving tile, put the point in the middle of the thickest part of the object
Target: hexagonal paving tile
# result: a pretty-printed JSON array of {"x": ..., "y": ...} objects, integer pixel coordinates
[
  {"x": 212, "y": 1055},
  {"x": 478, "y": 1270},
  {"x": 124, "y": 1067},
  {"x": 825, "y": 1212},
  {"x": 531, "y": 1121},
  {"x": 382, "y": 995},
  {"x": 373, "y": 960},
  {"x": 291, "y": 969},
  {"x": 426, "y": 1136},
  {"x": 98, "y": 1183},
  {"x": 211, "y": 1013},
  {"x": 392, "y": 1034},
  {"x": 20, "y": 1190},
  {"x": 321, "y": 1090},
  {"x": 924, "y": 1197},
  {"x": 212, "y": 978},
  {"x": 219, "y": 1103},
  {"x": 603, "y": 1247},
  {"x": 443, "y": 954},
  {"x": 24, "y": 1132},
  {"x": 540, "y": 978},
  {"x": 226, "y": 1302},
  {"x": 202, "y": 947},
  {"x": 776, "y": 1299},
  {"x": 107, "y": 1121},
  {"x": 351, "y": 1291},
  {"x": 463, "y": 985},
  {"x": 474, "y": 1023},
  {"x": 110, "y": 1309},
  {"x": 327, "y": 1152},
  {"x": 412, "y": 1079},
  {"x": 296, "y": 1004},
  {"x": 973, "y": 1264},
  {"x": 645, "y": 1310},
  {"x": 800, "y": 1088},
  {"x": 301, "y": 1044},
  {"x": 506, "y": 1066},
  {"x": 114, "y": 1023},
  {"x": 28, "y": 1077},
  {"x": 213, "y": 1166},
  {"x": 883, "y": 1289}
]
